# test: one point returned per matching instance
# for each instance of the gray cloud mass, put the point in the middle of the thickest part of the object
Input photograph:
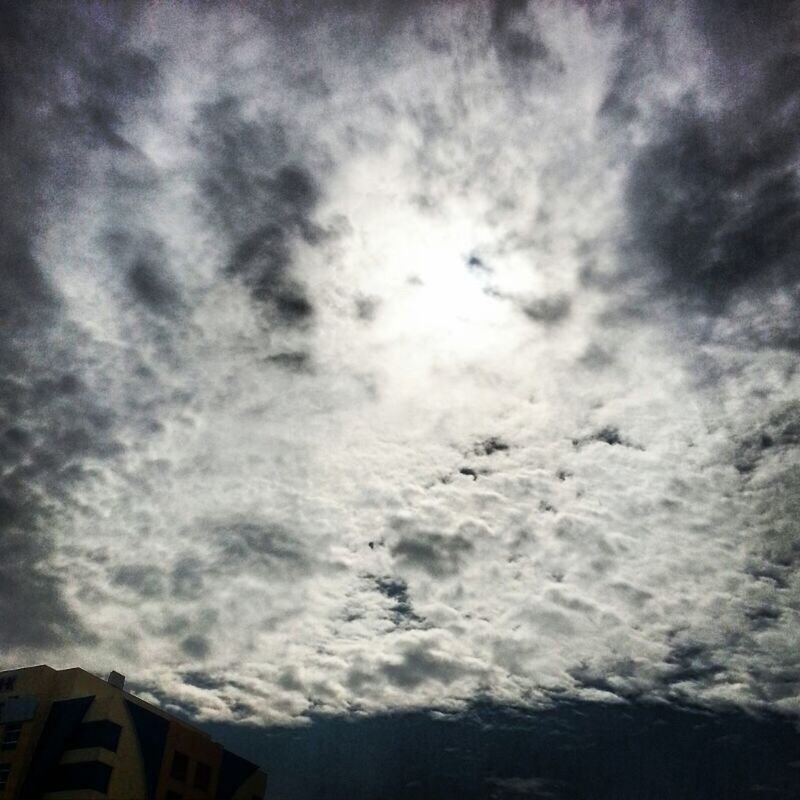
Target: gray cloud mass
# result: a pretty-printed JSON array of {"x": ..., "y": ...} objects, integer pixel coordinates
[{"x": 377, "y": 356}]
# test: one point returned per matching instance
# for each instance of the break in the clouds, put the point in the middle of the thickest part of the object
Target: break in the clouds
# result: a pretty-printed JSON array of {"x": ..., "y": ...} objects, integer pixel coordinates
[{"x": 366, "y": 356}]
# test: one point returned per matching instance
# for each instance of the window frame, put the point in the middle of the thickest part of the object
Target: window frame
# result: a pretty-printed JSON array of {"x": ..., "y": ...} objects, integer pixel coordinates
[
  {"x": 11, "y": 742},
  {"x": 179, "y": 774},
  {"x": 204, "y": 770}
]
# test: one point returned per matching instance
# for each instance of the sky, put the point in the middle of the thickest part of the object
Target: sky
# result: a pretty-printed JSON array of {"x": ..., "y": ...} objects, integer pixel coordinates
[{"x": 370, "y": 358}]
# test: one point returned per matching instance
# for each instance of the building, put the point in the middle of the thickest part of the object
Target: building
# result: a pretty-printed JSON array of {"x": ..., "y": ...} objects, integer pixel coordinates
[{"x": 69, "y": 735}]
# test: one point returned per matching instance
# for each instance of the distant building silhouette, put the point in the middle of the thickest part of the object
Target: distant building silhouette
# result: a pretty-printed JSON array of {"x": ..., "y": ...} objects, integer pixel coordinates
[{"x": 69, "y": 735}]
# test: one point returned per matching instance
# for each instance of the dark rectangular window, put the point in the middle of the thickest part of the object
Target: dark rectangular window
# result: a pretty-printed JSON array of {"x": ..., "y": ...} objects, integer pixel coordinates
[
  {"x": 4, "y": 770},
  {"x": 180, "y": 766},
  {"x": 202, "y": 775},
  {"x": 83, "y": 775},
  {"x": 97, "y": 733},
  {"x": 7, "y": 684},
  {"x": 19, "y": 709},
  {"x": 11, "y": 735},
  {"x": 173, "y": 796}
]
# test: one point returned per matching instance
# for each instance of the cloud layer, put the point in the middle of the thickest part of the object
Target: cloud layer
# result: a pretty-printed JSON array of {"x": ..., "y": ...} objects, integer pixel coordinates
[{"x": 370, "y": 357}]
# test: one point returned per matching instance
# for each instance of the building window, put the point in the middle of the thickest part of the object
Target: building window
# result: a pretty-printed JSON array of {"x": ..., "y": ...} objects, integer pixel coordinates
[
  {"x": 180, "y": 766},
  {"x": 7, "y": 684},
  {"x": 11, "y": 735},
  {"x": 78, "y": 776},
  {"x": 96, "y": 733},
  {"x": 202, "y": 776},
  {"x": 4, "y": 770}
]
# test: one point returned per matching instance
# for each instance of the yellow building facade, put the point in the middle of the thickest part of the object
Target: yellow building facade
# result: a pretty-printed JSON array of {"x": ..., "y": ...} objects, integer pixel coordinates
[{"x": 69, "y": 735}]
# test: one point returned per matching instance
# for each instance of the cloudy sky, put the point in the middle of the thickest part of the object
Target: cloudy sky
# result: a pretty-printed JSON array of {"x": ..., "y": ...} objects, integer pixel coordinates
[{"x": 370, "y": 356}]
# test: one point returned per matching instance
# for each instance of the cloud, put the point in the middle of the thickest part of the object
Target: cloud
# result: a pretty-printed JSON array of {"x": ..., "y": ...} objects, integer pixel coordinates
[
  {"x": 715, "y": 207},
  {"x": 260, "y": 200},
  {"x": 713, "y": 197},
  {"x": 608, "y": 435},
  {"x": 29, "y": 583},
  {"x": 548, "y": 310},
  {"x": 781, "y": 431},
  {"x": 144, "y": 579},
  {"x": 251, "y": 543},
  {"x": 457, "y": 361},
  {"x": 435, "y": 553},
  {"x": 150, "y": 286},
  {"x": 397, "y": 590},
  {"x": 196, "y": 647},
  {"x": 419, "y": 665},
  {"x": 51, "y": 421},
  {"x": 489, "y": 446}
]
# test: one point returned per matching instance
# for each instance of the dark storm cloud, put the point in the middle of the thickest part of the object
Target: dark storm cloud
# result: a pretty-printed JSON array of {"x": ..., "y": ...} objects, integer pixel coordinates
[
  {"x": 435, "y": 553},
  {"x": 257, "y": 545},
  {"x": 419, "y": 665},
  {"x": 28, "y": 583},
  {"x": 196, "y": 646},
  {"x": 516, "y": 43},
  {"x": 151, "y": 282},
  {"x": 26, "y": 292},
  {"x": 186, "y": 578},
  {"x": 763, "y": 616},
  {"x": 291, "y": 303},
  {"x": 717, "y": 215},
  {"x": 202, "y": 680},
  {"x": 596, "y": 357},
  {"x": 49, "y": 426},
  {"x": 692, "y": 661},
  {"x": 548, "y": 310},
  {"x": 396, "y": 590},
  {"x": 772, "y": 492},
  {"x": 608, "y": 435},
  {"x": 261, "y": 200},
  {"x": 714, "y": 198},
  {"x": 688, "y": 662},
  {"x": 143, "y": 579},
  {"x": 766, "y": 459},
  {"x": 293, "y": 361},
  {"x": 148, "y": 283},
  {"x": 228, "y": 547},
  {"x": 489, "y": 446},
  {"x": 184, "y": 708},
  {"x": 60, "y": 96},
  {"x": 740, "y": 31},
  {"x": 643, "y": 45},
  {"x": 781, "y": 431},
  {"x": 141, "y": 257},
  {"x": 367, "y": 308}
]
